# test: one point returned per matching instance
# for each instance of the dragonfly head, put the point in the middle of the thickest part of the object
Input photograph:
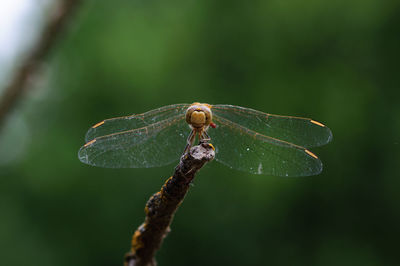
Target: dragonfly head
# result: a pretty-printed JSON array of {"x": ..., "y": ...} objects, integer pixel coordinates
[{"x": 199, "y": 115}]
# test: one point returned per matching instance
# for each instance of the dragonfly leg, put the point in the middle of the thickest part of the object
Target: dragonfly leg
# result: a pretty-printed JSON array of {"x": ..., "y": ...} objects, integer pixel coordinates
[
  {"x": 190, "y": 141},
  {"x": 204, "y": 137}
]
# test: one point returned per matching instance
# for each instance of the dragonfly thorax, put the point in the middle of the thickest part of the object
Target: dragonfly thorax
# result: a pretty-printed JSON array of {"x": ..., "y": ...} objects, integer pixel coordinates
[{"x": 199, "y": 115}]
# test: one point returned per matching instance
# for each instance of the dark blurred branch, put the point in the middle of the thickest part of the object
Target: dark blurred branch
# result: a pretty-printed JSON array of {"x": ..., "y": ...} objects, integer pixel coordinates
[
  {"x": 161, "y": 207},
  {"x": 53, "y": 28}
]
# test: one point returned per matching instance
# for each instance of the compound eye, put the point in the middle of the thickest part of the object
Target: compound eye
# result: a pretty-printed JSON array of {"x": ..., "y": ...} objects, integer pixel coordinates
[
  {"x": 189, "y": 113},
  {"x": 208, "y": 116},
  {"x": 198, "y": 115}
]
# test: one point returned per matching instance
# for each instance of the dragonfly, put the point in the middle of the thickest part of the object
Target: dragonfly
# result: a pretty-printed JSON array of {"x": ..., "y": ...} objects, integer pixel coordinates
[{"x": 244, "y": 139}]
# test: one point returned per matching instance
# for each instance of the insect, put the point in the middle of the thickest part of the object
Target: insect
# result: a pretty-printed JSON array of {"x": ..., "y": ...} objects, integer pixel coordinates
[{"x": 245, "y": 139}]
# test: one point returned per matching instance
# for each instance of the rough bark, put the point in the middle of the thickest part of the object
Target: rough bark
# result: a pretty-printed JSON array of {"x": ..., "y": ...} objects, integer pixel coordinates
[{"x": 161, "y": 207}]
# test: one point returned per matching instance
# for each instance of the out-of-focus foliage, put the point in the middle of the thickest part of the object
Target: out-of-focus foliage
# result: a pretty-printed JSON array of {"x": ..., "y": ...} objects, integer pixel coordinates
[{"x": 334, "y": 61}]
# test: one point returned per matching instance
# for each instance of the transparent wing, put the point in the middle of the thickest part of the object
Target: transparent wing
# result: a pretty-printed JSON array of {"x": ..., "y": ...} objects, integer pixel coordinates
[
  {"x": 304, "y": 132},
  {"x": 244, "y": 149},
  {"x": 155, "y": 145},
  {"x": 125, "y": 123}
]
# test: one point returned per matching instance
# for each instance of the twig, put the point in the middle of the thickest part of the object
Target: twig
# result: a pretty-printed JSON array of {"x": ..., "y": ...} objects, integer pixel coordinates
[
  {"x": 161, "y": 207},
  {"x": 53, "y": 28}
]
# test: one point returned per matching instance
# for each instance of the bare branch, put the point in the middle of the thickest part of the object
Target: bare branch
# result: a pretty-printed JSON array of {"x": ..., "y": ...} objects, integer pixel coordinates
[
  {"x": 50, "y": 34},
  {"x": 161, "y": 207}
]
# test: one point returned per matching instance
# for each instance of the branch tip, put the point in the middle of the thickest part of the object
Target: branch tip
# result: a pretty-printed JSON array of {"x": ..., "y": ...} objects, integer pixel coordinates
[{"x": 161, "y": 207}]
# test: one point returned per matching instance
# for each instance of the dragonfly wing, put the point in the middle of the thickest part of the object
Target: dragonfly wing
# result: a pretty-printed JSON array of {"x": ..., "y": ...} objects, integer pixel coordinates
[
  {"x": 158, "y": 144},
  {"x": 125, "y": 123},
  {"x": 244, "y": 149},
  {"x": 304, "y": 132}
]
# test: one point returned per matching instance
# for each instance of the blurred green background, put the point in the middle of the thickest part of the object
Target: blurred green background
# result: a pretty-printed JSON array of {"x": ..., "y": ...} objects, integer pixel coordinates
[{"x": 334, "y": 61}]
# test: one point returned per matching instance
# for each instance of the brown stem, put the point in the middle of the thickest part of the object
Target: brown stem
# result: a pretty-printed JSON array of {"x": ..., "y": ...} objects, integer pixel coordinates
[
  {"x": 53, "y": 28},
  {"x": 161, "y": 207}
]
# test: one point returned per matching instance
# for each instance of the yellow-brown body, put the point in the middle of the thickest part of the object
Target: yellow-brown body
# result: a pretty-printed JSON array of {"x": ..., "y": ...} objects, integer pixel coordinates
[{"x": 199, "y": 118}]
